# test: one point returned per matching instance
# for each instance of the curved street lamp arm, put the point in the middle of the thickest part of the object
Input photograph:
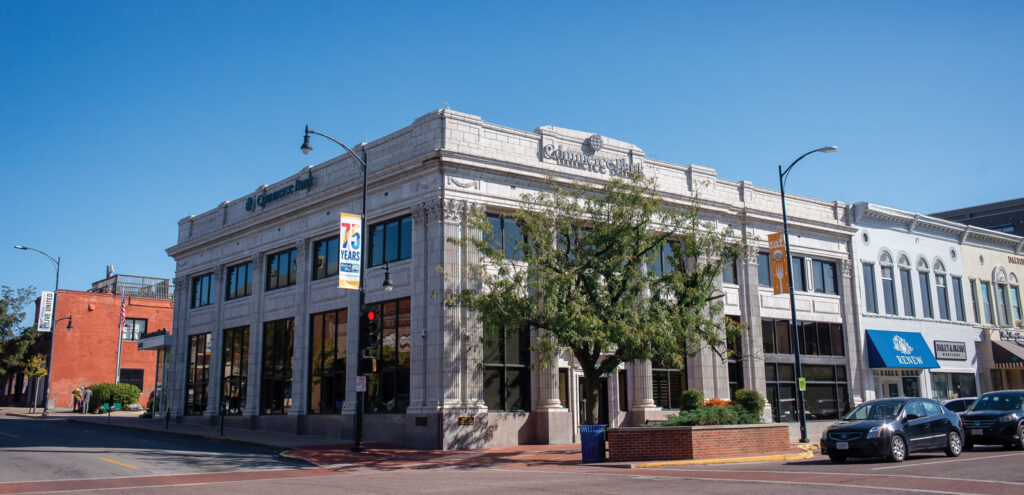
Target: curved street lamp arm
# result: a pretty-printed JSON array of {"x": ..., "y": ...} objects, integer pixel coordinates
[
  {"x": 339, "y": 143},
  {"x": 784, "y": 175},
  {"x": 52, "y": 259}
]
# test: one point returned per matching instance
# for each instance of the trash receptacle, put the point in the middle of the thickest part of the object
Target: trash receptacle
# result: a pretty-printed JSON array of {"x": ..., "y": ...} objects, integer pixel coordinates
[{"x": 592, "y": 442}]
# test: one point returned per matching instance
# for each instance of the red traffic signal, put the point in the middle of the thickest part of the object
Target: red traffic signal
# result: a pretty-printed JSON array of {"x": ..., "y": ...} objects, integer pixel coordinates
[{"x": 371, "y": 315}]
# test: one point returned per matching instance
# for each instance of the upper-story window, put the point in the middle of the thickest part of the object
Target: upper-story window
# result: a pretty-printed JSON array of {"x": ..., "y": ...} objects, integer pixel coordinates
[
  {"x": 825, "y": 277},
  {"x": 202, "y": 290},
  {"x": 1015, "y": 311},
  {"x": 941, "y": 296},
  {"x": 764, "y": 270},
  {"x": 325, "y": 258},
  {"x": 391, "y": 241},
  {"x": 870, "y": 296},
  {"x": 133, "y": 328},
  {"x": 907, "y": 284},
  {"x": 506, "y": 235},
  {"x": 958, "y": 299},
  {"x": 888, "y": 284},
  {"x": 663, "y": 259},
  {"x": 729, "y": 274},
  {"x": 926, "y": 288},
  {"x": 282, "y": 269},
  {"x": 239, "y": 280},
  {"x": 799, "y": 278},
  {"x": 986, "y": 303}
]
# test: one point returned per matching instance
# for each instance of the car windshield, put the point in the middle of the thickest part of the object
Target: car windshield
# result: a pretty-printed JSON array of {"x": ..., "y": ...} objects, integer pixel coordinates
[
  {"x": 881, "y": 410},
  {"x": 998, "y": 402}
]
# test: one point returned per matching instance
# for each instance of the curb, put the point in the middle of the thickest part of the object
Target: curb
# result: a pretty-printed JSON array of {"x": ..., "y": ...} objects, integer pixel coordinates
[
  {"x": 806, "y": 454},
  {"x": 184, "y": 435}
]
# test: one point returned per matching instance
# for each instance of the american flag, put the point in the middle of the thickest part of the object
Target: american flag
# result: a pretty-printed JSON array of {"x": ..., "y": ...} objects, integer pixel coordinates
[{"x": 120, "y": 323}]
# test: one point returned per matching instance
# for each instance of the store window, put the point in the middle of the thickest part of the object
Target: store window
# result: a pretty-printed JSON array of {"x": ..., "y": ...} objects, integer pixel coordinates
[
  {"x": 623, "y": 391},
  {"x": 506, "y": 235},
  {"x": 197, "y": 374},
  {"x": 234, "y": 379},
  {"x": 387, "y": 390},
  {"x": 668, "y": 385},
  {"x": 888, "y": 284},
  {"x": 825, "y": 277},
  {"x": 958, "y": 299},
  {"x": 870, "y": 296},
  {"x": 907, "y": 284},
  {"x": 391, "y": 241},
  {"x": 202, "y": 290},
  {"x": 780, "y": 384},
  {"x": 327, "y": 355},
  {"x": 734, "y": 362},
  {"x": 239, "y": 281},
  {"x": 776, "y": 336},
  {"x": 764, "y": 270},
  {"x": 816, "y": 338},
  {"x": 507, "y": 370},
  {"x": 276, "y": 376},
  {"x": 325, "y": 258},
  {"x": 953, "y": 385},
  {"x": 133, "y": 376},
  {"x": 827, "y": 391},
  {"x": 282, "y": 269},
  {"x": 133, "y": 329}
]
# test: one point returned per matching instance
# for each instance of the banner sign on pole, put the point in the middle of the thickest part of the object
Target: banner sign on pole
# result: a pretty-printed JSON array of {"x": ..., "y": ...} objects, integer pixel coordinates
[
  {"x": 350, "y": 248},
  {"x": 45, "y": 311},
  {"x": 777, "y": 253}
]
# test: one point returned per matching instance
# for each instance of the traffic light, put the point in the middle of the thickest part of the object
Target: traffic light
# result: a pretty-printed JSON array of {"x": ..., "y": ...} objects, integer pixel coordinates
[{"x": 369, "y": 338}]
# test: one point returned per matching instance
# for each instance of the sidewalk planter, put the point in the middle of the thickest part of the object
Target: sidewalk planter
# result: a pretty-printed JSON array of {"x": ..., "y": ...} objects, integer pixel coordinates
[
  {"x": 662, "y": 443},
  {"x": 592, "y": 442}
]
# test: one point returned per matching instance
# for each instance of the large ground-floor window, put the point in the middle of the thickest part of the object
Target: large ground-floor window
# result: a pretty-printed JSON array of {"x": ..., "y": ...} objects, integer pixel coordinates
[
  {"x": 953, "y": 385},
  {"x": 276, "y": 379},
  {"x": 507, "y": 370},
  {"x": 328, "y": 345},
  {"x": 197, "y": 374},
  {"x": 235, "y": 381},
  {"x": 667, "y": 387},
  {"x": 387, "y": 389},
  {"x": 827, "y": 395}
]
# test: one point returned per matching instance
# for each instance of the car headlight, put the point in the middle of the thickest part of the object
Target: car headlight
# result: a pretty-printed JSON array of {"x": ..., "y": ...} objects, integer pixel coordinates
[
  {"x": 1009, "y": 418},
  {"x": 877, "y": 431}
]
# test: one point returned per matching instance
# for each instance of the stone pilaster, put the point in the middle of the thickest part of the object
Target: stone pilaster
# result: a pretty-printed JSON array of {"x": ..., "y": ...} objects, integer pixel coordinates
[
  {"x": 554, "y": 422},
  {"x": 252, "y": 394},
  {"x": 750, "y": 316},
  {"x": 216, "y": 346},
  {"x": 643, "y": 405},
  {"x": 300, "y": 346},
  {"x": 707, "y": 371},
  {"x": 850, "y": 294},
  {"x": 420, "y": 374},
  {"x": 176, "y": 366}
]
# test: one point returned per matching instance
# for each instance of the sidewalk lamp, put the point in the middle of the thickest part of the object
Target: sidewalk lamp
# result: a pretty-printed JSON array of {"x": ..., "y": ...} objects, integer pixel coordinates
[
  {"x": 49, "y": 360},
  {"x": 794, "y": 336}
]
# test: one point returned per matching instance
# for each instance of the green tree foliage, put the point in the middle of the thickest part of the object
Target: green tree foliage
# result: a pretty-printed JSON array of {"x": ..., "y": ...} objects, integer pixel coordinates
[
  {"x": 14, "y": 343},
  {"x": 583, "y": 273},
  {"x": 750, "y": 400},
  {"x": 691, "y": 399}
]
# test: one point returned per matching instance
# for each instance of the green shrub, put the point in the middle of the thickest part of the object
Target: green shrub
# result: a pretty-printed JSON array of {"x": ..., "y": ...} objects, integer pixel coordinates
[
  {"x": 111, "y": 393},
  {"x": 691, "y": 399},
  {"x": 750, "y": 400},
  {"x": 710, "y": 416}
]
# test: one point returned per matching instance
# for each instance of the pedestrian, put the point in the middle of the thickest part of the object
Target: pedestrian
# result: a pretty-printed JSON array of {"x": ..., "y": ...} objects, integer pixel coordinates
[
  {"x": 86, "y": 398},
  {"x": 76, "y": 395}
]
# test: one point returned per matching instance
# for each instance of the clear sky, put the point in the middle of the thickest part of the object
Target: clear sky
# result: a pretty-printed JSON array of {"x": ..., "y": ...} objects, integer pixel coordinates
[{"x": 117, "y": 119}]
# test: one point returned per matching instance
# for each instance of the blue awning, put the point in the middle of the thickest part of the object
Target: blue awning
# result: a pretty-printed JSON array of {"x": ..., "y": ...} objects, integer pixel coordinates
[{"x": 899, "y": 350}]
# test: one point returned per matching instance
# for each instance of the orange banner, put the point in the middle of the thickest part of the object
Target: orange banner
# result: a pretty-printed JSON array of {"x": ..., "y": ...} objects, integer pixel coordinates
[{"x": 777, "y": 254}]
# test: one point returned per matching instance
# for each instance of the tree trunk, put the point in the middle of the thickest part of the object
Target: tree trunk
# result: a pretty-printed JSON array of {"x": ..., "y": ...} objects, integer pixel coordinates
[
  {"x": 590, "y": 393},
  {"x": 35, "y": 396}
]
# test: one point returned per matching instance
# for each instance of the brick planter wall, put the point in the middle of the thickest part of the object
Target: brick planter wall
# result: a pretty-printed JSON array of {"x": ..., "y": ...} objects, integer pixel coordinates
[{"x": 696, "y": 442}]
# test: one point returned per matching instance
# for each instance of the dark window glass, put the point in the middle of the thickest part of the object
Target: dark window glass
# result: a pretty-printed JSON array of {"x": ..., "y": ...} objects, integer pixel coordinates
[
  {"x": 941, "y": 296},
  {"x": 768, "y": 336},
  {"x": 623, "y": 391},
  {"x": 391, "y": 241},
  {"x": 133, "y": 329},
  {"x": 908, "y": 292},
  {"x": 281, "y": 269},
  {"x": 734, "y": 361},
  {"x": 276, "y": 377},
  {"x": 729, "y": 273},
  {"x": 663, "y": 259},
  {"x": 799, "y": 279},
  {"x": 764, "y": 270},
  {"x": 327, "y": 351},
  {"x": 202, "y": 290},
  {"x": 239, "y": 281},
  {"x": 926, "y": 294},
  {"x": 889, "y": 290},
  {"x": 132, "y": 377},
  {"x": 668, "y": 385},
  {"x": 325, "y": 258},
  {"x": 563, "y": 386},
  {"x": 816, "y": 338},
  {"x": 783, "y": 337},
  {"x": 506, "y": 370},
  {"x": 958, "y": 299},
  {"x": 197, "y": 374},
  {"x": 825, "y": 277},
  {"x": 1004, "y": 305},
  {"x": 826, "y": 396},
  {"x": 1015, "y": 312},
  {"x": 975, "y": 302},
  {"x": 838, "y": 345},
  {"x": 986, "y": 303},
  {"x": 234, "y": 379},
  {"x": 387, "y": 390},
  {"x": 870, "y": 297},
  {"x": 506, "y": 235}
]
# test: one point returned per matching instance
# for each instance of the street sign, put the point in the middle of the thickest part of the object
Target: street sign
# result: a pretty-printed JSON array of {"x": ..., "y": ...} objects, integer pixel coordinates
[
  {"x": 777, "y": 254},
  {"x": 45, "y": 311},
  {"x": 802, "y": 384},
  {"x": 350, "y": 249},
  {"x": 361, "y": 383}
]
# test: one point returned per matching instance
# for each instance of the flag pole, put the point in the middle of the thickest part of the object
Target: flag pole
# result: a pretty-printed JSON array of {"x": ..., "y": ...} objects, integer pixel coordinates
[{"x": 120, "y": 336}]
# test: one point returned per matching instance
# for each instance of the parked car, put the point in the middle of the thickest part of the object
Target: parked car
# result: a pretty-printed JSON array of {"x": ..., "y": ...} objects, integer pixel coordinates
[
  {"x": 996, "y": 418},
  {"x": 893, "y": 428},
  {"x": 959, "y": 405}
]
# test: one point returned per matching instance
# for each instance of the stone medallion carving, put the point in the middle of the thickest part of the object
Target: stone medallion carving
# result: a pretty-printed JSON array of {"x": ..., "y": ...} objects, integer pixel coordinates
[{"x": 595, "y": 142}]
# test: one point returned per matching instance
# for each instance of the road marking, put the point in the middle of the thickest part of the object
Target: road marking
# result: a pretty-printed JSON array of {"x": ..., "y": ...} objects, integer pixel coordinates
[
  {"x": 118, "y": 463},
  {"x": 9, "y": 435},
  {"x": 945, "y": 461}
]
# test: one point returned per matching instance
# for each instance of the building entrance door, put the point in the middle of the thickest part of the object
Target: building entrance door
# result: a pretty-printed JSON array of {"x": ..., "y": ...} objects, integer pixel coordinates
[
  {"x": 602, "y": 395},
  {"x": 890, "y": 387}
]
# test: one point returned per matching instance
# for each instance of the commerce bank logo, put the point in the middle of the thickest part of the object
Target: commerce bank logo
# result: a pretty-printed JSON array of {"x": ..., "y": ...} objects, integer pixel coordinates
[{"x": 585, "y": 157}]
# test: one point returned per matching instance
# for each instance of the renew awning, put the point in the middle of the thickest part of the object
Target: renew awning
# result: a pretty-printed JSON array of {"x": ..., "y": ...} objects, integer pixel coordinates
[{"x": 899, "y": 350}]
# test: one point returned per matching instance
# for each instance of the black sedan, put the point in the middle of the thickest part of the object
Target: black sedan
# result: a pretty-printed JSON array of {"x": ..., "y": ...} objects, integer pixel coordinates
[
  {"x": 893, "y": 428},
  {"x": 996, "y": 418}
]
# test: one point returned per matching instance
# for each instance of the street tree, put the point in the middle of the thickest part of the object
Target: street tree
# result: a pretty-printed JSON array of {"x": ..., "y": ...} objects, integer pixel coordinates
[
  {"x": 611, "y": 274},
  {"x": 35, "y": 369},
  {"x": 14, "y": 340}
]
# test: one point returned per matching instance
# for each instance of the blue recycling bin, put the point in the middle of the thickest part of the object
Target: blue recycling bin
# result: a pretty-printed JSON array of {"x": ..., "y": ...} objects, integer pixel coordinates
[{"x": 592, "y": 442}]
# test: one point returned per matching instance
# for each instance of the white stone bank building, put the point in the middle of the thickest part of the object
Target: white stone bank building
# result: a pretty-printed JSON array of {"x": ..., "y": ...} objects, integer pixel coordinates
[{"x": 264, "y": 336}]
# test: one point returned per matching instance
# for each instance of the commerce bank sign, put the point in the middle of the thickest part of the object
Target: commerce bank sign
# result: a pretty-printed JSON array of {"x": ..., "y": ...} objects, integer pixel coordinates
[
  {"x": 267, "y": 197},
  {"x": 592, "y": 162}
]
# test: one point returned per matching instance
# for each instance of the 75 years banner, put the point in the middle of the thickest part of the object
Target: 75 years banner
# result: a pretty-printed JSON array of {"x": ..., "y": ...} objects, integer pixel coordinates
[{"x": 350, "y": 250}]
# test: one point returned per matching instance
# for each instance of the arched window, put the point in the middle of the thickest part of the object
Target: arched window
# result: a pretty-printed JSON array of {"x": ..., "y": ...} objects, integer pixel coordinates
[
  {"x": 941, "y": 294},
  {"x": 926, "y": 288},
  {"x": 888, "y": 283},
  {"x": 907, "y": 286},
  {"x": 1003, "y": 305}
]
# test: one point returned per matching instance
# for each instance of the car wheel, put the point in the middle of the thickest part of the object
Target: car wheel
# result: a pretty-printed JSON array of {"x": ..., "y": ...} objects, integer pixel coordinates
[
  {"x": 1019, "y": 444},
  {"x": 836, "y": 458},
  {"x": 954, "y": 444},
  {"x": 897, "y": 449}
]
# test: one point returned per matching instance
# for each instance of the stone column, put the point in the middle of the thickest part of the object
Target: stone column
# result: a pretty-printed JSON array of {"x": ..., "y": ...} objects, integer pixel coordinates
[
  {"x": 419, "y": 373},
  {"x": 643, "y": 407},
  {"x": 707, "y": 371},
  {"x": 986, "y": 362},
  {"x": 252, "y": 394},
  {"x": 554, "y": 422},
  {"x": 850, "y": 294},
  {"x": 750, "y": 315},
  {"x": 216, "y": 339},
  {"x": 300, "y": 342},
  {"x": 176, "y": 366}
]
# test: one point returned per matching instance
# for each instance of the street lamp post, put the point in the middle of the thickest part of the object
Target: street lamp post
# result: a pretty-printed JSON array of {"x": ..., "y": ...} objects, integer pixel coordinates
[
  {"x": 357, "y": 440},
  {"x": 795, "y": 337},
  {"x": 49, "y": 360}
]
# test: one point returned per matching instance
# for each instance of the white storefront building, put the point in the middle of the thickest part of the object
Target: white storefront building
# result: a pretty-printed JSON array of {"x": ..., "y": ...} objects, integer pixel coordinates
[{"x": 264, "y": 336}]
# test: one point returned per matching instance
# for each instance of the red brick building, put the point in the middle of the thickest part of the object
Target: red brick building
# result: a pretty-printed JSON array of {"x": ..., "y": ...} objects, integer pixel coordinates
[{"x": 87, "y": 354}]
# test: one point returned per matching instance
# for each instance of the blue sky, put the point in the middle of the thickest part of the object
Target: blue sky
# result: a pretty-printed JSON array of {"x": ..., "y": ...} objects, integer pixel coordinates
[{"x": 119, "y": 118}]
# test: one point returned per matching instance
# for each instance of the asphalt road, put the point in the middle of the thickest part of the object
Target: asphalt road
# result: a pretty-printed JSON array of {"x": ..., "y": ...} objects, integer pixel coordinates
[{"x": 55, "y": 449}]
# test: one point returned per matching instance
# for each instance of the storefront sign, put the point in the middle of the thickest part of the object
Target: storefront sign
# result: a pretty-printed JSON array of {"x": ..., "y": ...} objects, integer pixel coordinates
[
  {"x": 45, "y": 311},
  {"x": 954, "y": 351},
  {"x": 1010, "y": 335},
  {"x": 780, "y": 272},
  {"x": 1016, "y": 260},
  {"x": 588, "y": 159},
  {"x": 467, "y": 420},
  {"x": 267, "y": 197},
  {"x": 350, "y": 251}
]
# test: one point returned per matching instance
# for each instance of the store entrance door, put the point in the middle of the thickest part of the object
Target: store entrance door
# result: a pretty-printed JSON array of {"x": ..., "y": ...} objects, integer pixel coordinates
[
  {"x": 602, "y": 394},
  {"x": 890, "y": 387}
]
